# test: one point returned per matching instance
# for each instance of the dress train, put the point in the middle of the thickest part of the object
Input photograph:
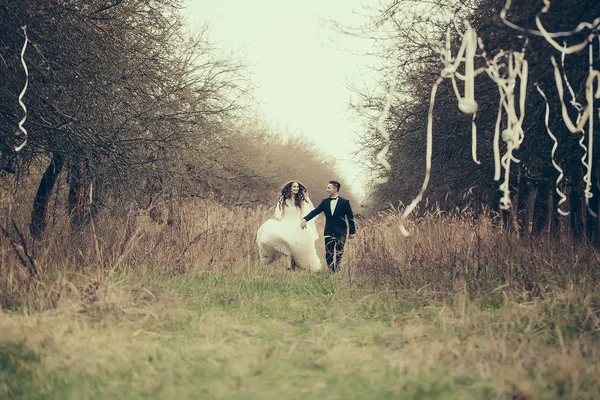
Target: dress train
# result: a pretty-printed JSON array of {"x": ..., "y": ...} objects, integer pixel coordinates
[{"x": 284, "y": 235}]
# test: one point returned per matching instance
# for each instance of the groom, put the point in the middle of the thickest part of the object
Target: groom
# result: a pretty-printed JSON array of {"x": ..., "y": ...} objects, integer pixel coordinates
[{"x": 337, "y": 210}]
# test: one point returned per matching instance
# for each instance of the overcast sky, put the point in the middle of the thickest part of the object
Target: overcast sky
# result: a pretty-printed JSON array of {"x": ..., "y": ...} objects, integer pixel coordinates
[{"x": 300, "y": 75}]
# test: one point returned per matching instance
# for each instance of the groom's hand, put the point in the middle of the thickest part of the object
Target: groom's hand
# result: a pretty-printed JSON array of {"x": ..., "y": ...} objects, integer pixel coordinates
[{"x": 303, "y": 224}]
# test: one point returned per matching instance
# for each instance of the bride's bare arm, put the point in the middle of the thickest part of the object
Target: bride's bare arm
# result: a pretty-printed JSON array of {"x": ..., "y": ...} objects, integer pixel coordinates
[{"x": 308, "y": 206}]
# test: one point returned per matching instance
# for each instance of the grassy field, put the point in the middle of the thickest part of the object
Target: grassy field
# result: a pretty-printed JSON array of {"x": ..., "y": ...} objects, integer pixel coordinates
[
  {"x": 266, "y": 333},
  {"x": 132, "y": 309}
]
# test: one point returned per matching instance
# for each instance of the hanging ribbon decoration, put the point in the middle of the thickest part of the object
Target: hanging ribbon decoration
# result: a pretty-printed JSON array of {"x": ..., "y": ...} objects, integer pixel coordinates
[
  {"x": 584, "y": 114},
  {"x": 467, "y": 104},
  {"x": 563, "y": 197},
  {"x": 509, "y": 70},
  {"x": 22, "y": 132}
]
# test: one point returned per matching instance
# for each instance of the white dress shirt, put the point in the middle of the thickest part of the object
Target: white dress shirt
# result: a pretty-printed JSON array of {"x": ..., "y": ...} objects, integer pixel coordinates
[{"x": 333, "y": 203}]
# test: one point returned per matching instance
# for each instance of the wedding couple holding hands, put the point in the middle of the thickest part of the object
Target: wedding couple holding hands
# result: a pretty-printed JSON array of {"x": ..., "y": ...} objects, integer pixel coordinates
[{"x": 293, "y": 232}]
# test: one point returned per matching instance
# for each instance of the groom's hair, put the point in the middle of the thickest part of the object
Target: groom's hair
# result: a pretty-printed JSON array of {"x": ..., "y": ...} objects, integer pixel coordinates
[{"x": 336, "y": 184}]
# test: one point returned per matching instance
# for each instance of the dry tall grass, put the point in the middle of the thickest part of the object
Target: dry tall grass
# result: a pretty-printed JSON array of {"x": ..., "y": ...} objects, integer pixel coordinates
[
  {"x": 459, "y": 310},
  {"x": 473, "y": 255},
  {"x": 448, "y": 254}
]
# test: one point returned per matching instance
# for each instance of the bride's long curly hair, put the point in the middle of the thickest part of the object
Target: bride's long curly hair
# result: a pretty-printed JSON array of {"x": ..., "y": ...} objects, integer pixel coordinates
[{"x": 286, "y": 193}]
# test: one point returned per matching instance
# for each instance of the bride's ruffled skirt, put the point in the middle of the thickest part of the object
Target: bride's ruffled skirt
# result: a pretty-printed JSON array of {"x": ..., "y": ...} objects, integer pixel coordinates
[{"x": 289, "y": 238}]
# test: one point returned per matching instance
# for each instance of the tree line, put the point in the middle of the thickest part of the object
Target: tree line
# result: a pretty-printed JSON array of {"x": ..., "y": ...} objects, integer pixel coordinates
[
  {"x": 126, "y": 104},
  {"x": 410, "y": 36}
]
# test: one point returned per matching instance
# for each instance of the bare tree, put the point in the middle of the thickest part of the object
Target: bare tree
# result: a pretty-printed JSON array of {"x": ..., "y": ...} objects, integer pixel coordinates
[
  {"x": 117, "y": 91},
  {"x": 413, "y": 44}
]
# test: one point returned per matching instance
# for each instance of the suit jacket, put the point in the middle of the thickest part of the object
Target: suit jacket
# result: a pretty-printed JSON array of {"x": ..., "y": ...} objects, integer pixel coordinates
[{"x": 335, "y": 225}]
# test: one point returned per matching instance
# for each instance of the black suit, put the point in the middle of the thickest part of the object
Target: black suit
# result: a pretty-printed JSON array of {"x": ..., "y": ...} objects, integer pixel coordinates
[{"x": 336, "y": 228}]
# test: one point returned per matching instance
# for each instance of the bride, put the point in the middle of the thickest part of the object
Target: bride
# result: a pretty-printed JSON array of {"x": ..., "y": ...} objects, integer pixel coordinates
[{"x": 283, "y": 233}]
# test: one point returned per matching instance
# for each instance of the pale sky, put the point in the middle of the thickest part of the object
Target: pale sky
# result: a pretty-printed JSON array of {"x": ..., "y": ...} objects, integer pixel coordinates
[{"x": 301, "y": 78}]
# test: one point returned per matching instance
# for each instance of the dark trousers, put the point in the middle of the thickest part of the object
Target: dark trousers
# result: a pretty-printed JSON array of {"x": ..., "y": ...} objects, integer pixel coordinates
[{"x": 332, "y": 244}]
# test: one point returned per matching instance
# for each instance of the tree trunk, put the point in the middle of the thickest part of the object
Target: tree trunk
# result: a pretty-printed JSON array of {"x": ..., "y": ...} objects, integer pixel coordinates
[
  {"x": 512, "y": 222},
  {"x": 541, "y": 209},
  {"x": 577, "y": 203},
  {"x": 42, "y": 197},
  {"x": 174, "y": 216},
  {"x": 78, "y": 202},
  {"x": 524, "y": 206},
  {"x": 577, "y": 216},
  {"x": 596, "y": 191}
]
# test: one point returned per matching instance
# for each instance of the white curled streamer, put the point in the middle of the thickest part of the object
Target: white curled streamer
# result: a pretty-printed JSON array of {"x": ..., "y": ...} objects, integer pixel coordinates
[
  {"x": 579, "y": 28},
  {"x": 515, "y": 124},
  {"x": 428, "y": 154},
  {"x": 584, "y": 115},
  {"x": 466, "y": 54},
  {"x": 497, "y": 165},
  {"x": 513, "y": 135},
  {"x": 466, "y": 104},
  {"x": 573, "y": 100},
  {"x": 505, "y": 75},
  {"x": 565, "y": 50},
  {"x": 563, "y": 197},
  {"x": 21, "y": 128},
  {"x": 474, "y": 140},
  {"x": 581, "y": 118},
  {"x": 589, "y": 94},
  {"x": 587, "y": 116}
]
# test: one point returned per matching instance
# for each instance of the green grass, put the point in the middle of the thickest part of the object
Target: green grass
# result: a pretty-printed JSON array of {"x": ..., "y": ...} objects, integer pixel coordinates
[{"x": 269, "y": 334}]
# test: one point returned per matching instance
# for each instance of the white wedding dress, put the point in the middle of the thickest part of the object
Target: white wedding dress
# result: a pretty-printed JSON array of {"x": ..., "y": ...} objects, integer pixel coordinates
[{"x": 283, "y": 234}]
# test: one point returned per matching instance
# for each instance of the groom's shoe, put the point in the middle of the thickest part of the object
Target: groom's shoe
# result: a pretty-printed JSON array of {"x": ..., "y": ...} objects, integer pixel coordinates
[{"x": 293, "y": 265}]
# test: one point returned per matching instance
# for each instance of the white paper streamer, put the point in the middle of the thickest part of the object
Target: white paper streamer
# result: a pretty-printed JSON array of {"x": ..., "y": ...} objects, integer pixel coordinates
[
  {"x": 563, "y": 197},
  {"x": 579, "y": 28},
  {"x": 21, "y": 128},
  {"x": 584, "y": 115},
  {"x": 589, "y": 94},
  {"x": 509, "y": 69},
  {"x": 428, "y": 154},
  {"x": 467, "y": 104}
]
